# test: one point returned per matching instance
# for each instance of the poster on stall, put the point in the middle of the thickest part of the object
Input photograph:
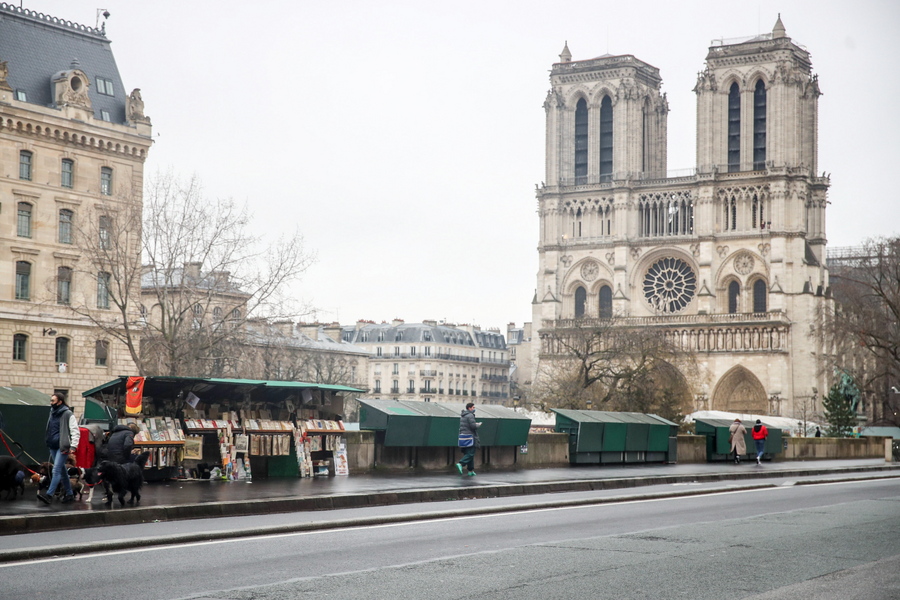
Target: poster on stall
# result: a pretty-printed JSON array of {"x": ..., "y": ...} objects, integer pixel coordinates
[{"x": 341, "y": 466}]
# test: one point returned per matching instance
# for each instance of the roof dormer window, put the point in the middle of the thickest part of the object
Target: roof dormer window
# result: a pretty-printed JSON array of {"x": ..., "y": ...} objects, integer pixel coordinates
[
  {"x": 21, "y": 96},
  {"x": 105, "y": 87}
]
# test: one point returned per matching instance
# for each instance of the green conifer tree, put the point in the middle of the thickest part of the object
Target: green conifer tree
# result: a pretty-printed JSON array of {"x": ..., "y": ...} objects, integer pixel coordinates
[{"x": 840, "y": 416}]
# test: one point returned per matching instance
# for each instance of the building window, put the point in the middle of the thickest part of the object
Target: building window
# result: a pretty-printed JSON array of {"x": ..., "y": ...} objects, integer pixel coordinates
[
  {"x": 67, "y": 174},
  {"x": 65, "y": 226},
  {"x": 101, "y": 353},
  {"x": 236, "y": 314},
  {"x": 734, "y": 129},
  {"x": 23, "y": 220},
  {"x": 103, "y": 229},
  {"x": 759, "y": 126},
  {"x": 580, "y": 297},
  {"x": 25, "y": 165},
  {"x": 412, "y": 386},
  {"x": 396, "y": 350},
  {"x": 21, "y": 96},
  {"x": 20, "y": 347},
  {"x": 104, "y": 116},
  {"x": 427, "y": 350},
  {"x": 62, "y": 350},
  {"x": 378, "y": 351},
  {"x": 759, "y": 296},
  {"x": 734, "y": 293},
  {"x": 581, "y": 142},
  {"x": 105, "y": 86},
  {"x": 396, "y": 368},
  {"x": 606, "y": 139},
  {"x": 377, "y": 386},
  {"x": 106, "y": 181},
  {"x": 103, "y": 280},
  {"x": 63, "y": 285},
  {"x": 144, "y": 313},
  {"x": 23, "y": 280},
  {"x": 606, "y": 302},
  {"x": 395, "y": 386},
  {"x": 217, "y": 313},
  {"x": 412, "y": 350}
]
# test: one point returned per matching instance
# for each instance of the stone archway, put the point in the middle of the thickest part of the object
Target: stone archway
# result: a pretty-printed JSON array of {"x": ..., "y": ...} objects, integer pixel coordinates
[{"x": 740, "y": 391}]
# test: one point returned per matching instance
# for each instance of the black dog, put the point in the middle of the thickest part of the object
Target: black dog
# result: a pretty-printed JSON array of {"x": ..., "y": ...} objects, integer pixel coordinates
[
  {"x": 12, "y": 477},
  {"x": 120, "y": 479}
]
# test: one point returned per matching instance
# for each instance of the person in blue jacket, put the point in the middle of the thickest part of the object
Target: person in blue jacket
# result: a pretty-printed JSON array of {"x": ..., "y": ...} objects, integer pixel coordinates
[
  {"x": 468, "y": 439},
  {"x": 62, "y": 438}
]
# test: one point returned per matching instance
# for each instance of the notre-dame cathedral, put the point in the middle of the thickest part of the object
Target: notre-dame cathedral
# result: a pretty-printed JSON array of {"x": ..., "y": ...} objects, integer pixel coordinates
[{"x": 729, "y": 258}]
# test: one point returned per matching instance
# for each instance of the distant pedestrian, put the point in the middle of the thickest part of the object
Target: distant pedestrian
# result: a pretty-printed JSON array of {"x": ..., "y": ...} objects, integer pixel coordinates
[
  {"x": 818, "y": 432},
  {"x": 759, "y": 433},
  {"x": 468, "y": 439},
  {"x": 62, "y": 437},
  {"x": 738, "y": 444}
]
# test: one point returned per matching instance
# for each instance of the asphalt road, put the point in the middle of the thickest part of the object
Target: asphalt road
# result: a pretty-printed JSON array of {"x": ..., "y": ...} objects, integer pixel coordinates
[{"x": 838, "y": 540}]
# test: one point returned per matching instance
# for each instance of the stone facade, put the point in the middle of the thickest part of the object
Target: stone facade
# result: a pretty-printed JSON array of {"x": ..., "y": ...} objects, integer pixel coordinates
[
  {"x": 72, "y": 151},
  {"x": 729, "y": 259},
  {"x": 433, "y": 362}
]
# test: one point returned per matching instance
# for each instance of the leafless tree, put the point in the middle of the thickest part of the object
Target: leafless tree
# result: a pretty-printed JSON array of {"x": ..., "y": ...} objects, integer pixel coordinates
[
  {"x": 865, "y": 326},
  {"x": 184, "y": 279},
  {"x": 608, "y": 365}
]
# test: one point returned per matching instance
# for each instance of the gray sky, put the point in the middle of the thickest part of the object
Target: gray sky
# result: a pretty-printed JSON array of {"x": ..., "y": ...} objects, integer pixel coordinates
[{"x": 406, "y": 138}]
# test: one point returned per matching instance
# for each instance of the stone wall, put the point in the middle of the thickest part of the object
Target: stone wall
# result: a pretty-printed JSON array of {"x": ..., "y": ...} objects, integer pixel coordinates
[
  {"x": 832, "y": 448},
  {"x": 691, "y": 449}
]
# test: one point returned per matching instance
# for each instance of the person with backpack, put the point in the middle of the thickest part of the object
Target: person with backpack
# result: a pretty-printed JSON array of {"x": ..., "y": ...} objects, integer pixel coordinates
[
  {"x": 759, "y": 433},
  {"x": 468, "y": 439}
]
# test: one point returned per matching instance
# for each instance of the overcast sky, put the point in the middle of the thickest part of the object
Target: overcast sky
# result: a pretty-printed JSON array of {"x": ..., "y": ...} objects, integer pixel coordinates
[{"x": 406, "y": 138}]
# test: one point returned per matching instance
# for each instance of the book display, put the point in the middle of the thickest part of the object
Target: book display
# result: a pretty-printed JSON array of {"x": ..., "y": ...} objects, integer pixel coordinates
[
  {"x": 162, "y": 437},
  {"x": 221, "y": 426}
]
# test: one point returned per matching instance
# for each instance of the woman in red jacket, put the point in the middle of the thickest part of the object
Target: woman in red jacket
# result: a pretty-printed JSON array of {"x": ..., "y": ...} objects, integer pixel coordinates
[{"x": 759, "y": 433}]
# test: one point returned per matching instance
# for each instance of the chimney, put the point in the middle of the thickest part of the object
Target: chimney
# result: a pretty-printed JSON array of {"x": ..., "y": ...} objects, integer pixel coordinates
[
  {"x": 334, "y": 331},
  {"x": 397, "y": 322},
  {"x": 192, "y": 270}
]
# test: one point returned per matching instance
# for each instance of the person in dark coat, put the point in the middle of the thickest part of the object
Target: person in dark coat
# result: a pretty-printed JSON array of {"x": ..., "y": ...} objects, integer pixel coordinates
[
  {"x": 121, "y": 443},
  {"x": 468, "y": 429},
  {"x": 62, "y": 438}
]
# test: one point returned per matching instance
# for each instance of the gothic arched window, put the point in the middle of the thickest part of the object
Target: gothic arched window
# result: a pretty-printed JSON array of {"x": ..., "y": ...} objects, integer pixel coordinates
[
  {"x": 580, "y": 297},
  {"x": 581, "y": 141},
  {"x": 734, "y": 129},
  {"x": 759, "y": 296},
  {"x": 759, "y": 126},
  {"x": 606, "y": 139},
  {"x": 606, "y": 302},
  {"x": 734, "y": 293}
]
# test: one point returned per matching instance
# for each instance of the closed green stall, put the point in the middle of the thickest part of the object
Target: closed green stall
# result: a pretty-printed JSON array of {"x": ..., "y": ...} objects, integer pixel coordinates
[
  {"x": 616, "y": 437},
  {"x": 23, "y": 418}
]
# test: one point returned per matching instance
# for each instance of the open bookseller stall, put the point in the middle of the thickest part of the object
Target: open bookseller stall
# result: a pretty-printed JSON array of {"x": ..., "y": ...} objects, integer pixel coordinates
[{"x": 232, "y": 428}]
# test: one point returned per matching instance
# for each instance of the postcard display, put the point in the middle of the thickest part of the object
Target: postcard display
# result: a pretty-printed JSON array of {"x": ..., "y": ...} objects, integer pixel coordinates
[{"x": 247, "y": 433}]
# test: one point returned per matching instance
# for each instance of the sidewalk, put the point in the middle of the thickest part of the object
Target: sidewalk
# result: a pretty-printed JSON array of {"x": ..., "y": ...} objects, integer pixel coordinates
[{"x": 197, "y": 499}]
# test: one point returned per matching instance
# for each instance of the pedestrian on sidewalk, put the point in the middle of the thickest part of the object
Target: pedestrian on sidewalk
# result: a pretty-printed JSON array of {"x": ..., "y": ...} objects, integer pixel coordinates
[
  {"x": 121, "y": 443},
  {"x": 818, "y": 432},
  {"x": 738, "y": 444},
  {"x": 759, "y": 433},
  {"x": 468, "y": 439},
  {"x": 62, "y": 438}
]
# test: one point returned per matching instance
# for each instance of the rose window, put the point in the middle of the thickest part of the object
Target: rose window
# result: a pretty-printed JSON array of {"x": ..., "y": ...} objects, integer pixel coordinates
[{"x": 669, "y": 285}]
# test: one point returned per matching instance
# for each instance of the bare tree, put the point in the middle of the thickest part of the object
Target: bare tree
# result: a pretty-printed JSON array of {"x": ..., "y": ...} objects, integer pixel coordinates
[
  {"x": 612, "y": 366},
  {"x": 865, "y": 326},
  {"x": 183, "y": 281}
]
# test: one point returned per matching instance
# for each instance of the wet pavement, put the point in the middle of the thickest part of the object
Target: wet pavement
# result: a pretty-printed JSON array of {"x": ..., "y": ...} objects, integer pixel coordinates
[{"x": 193, "y": 499}]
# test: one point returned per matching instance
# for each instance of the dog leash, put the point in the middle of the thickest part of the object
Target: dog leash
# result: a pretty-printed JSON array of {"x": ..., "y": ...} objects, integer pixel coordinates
[{"x": 3, "y": 436}]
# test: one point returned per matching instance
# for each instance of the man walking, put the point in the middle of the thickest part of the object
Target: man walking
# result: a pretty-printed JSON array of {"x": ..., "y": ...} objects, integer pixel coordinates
[
  {"x": 468, "y": 439},
  {"x": 759, "y": 433},
  {"x": 62, "y": 438}
]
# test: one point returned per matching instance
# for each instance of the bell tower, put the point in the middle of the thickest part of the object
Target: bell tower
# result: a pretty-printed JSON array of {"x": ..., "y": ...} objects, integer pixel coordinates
[{"x": 757, "y": 105}]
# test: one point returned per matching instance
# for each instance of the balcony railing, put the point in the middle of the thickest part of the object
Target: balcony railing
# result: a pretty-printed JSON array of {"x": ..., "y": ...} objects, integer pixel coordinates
[
  {"x": 431, "y": 373},
  {"x": 778, "y": 318},
  {"x": 495, "y": 378}
]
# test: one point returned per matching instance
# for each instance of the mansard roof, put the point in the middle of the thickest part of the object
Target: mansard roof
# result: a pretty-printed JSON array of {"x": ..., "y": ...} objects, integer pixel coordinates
[{"x": 38, "y": 46}]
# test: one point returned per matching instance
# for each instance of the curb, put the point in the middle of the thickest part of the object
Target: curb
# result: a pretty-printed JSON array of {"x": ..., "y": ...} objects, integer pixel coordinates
[
  {"x": 34, "y": 523},
  {"x": 8, "y": 556}
]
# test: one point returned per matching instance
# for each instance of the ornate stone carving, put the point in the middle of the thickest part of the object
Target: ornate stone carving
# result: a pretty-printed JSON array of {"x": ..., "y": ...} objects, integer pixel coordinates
[
  {"x": 70, "y": 88},
  {"x": 695, "y": 249},
  {"x": 566, "y": 260},
  {"x": 723, "y": 251},
  {"x": 590, "y": 270},
  {"x": 764, "y": 249},
  {"x": 611, "y": 258},
  {"x": 134, "y": 107},
  {"x": 743, "y": 263},
  {"x": 635, "y": 253},
  {"x": 4, "y": 75}
]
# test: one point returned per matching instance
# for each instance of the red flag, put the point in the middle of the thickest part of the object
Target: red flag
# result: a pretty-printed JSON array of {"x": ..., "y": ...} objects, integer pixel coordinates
[{"x": 134, "y": 394}]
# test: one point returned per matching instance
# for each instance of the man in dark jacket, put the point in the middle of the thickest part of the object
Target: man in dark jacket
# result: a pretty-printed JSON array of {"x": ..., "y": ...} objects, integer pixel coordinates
[
  {"x": 468, "y": 430},
  {"x": 62, "y": 437},
  {"x": 120, "y": 443}
]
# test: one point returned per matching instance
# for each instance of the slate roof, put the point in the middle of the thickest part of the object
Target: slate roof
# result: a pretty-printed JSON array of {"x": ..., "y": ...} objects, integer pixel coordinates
[
  {"x": 37, "y": 46},
  {"x": 179, "y": 277},
  {"x": 387, "y": 333}
]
